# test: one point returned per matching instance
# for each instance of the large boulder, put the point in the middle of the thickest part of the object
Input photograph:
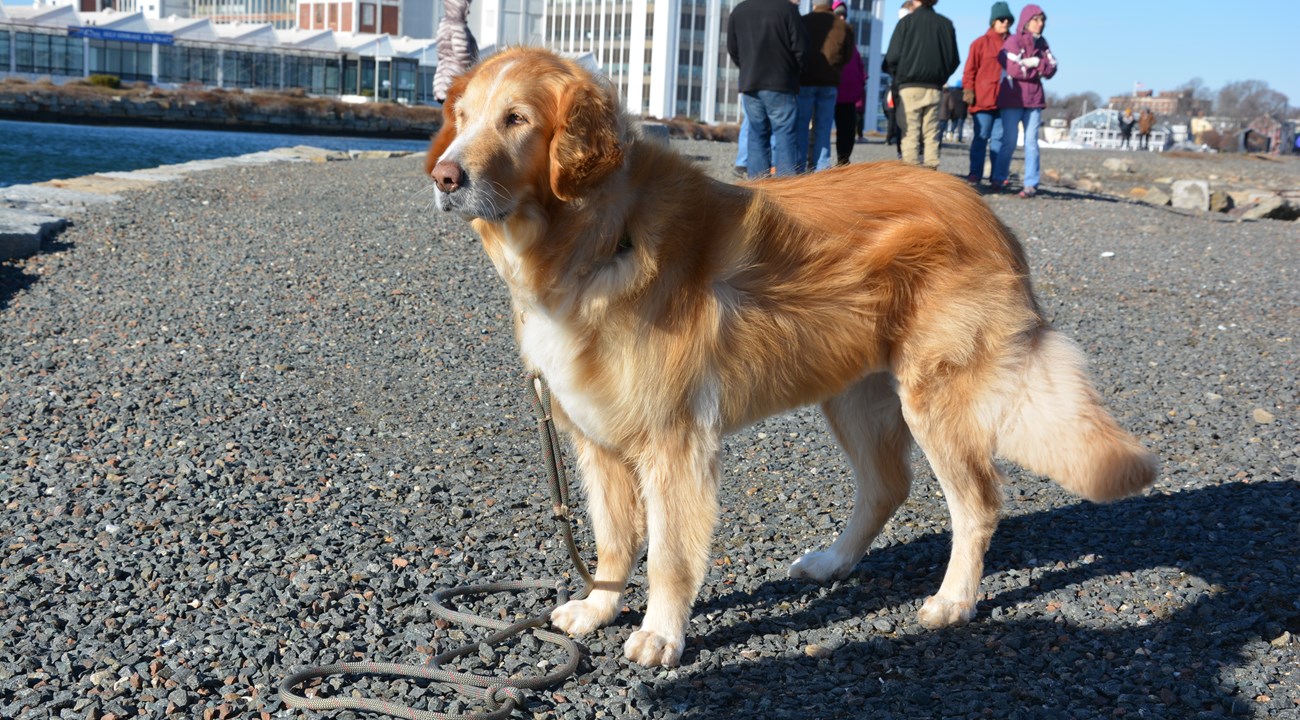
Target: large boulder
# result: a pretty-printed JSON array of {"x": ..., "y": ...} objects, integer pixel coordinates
[
  {"x": 1118, "y": 165},
  {"x": 1191, "y": 195}
]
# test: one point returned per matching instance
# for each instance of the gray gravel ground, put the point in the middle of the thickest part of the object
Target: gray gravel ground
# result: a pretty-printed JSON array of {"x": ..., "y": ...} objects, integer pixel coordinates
[{"x": 252, "y": 420}]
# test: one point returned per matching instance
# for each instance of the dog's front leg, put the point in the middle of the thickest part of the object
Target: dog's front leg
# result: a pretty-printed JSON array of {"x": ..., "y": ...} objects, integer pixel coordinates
[
  {"x": 618, "y": 522},
  {"x": 679, "y": 484}
]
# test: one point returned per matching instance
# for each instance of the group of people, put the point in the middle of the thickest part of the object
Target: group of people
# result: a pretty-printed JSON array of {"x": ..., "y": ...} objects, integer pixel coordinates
[
  {"x": 1143, "y": 122},
  {"x": 798, "y": 75},
  {"x": 1002, "y": 86}
]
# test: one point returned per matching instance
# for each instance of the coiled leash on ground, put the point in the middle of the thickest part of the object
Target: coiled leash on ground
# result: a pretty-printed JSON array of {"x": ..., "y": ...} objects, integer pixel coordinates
[{"x": 500, "y": 695}]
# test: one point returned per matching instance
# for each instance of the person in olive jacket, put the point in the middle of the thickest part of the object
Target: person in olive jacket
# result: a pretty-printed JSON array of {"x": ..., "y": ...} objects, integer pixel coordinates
[{"x": 922, "y": 55}]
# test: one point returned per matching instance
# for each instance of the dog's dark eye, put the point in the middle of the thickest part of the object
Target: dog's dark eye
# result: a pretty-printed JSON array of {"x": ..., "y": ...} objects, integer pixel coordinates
[{"x": 515, "y": 118}]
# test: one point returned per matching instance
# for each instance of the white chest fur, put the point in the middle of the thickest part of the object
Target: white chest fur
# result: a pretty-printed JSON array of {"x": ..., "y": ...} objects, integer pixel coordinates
[{"x": 548, "y": 346}]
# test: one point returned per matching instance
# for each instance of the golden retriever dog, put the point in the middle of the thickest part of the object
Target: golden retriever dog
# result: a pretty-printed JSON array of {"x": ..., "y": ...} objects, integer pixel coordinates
[{"x": 667, "y": 309}]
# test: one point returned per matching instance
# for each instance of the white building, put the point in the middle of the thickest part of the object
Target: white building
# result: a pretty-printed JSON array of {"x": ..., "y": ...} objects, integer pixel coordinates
[
  {"x": 1100, "y": 129},
  {"x": 278, "y": 13},
  {"x": 668, "y": 58},
  {"x": 58, "y": 42}
]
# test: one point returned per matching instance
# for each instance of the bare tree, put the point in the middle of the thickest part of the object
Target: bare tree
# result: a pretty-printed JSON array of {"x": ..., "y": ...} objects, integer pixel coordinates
[
  {"x": 1200, "y": 91},
  {"x": 1075, "y": 104},
  {"x": 1249, "y": 99}
]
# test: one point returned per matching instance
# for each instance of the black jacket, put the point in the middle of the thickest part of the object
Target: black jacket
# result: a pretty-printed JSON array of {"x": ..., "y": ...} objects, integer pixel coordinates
[
  {"x": 830, "y": 45},
  {"x": 767, "y": 41},
  {"x": 923, "y": 50}
]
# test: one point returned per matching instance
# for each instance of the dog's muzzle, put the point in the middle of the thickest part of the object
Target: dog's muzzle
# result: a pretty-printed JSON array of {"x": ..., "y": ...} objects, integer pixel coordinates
[{"x": 449, "y": 177}]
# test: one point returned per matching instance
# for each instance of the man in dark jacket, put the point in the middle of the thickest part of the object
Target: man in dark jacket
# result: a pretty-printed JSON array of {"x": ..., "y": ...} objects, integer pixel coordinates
[
  {"x": 830, "y": 45},
  {"x": 767, "y": 41},
  {"x": 922, "y": 54}
]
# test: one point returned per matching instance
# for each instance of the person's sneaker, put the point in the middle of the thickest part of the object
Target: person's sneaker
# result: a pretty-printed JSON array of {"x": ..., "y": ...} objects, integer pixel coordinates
[
  {"x": 740, "y": 172},
  {"x": 1028, "y": 192},
  {"x": 973, "y": 179},
  {"x": 997, "y": 187}
]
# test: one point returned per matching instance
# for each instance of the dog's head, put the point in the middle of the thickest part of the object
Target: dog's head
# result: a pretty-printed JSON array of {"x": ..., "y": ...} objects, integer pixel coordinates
[{"x": 523, "y": 126}]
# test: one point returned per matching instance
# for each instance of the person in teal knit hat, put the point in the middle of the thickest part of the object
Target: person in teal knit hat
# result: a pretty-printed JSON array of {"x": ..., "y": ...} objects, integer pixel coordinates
[{"x": 979, "y": 83}]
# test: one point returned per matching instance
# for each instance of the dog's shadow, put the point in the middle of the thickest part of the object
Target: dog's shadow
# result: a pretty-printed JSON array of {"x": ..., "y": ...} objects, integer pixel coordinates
[
  {"x": 14, "y": 280},
  {"x": 1224, "y": 581}
]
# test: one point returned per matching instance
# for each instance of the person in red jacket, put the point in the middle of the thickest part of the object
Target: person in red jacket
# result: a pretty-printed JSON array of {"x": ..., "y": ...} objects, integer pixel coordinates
[{"x": 979, "y": 83}]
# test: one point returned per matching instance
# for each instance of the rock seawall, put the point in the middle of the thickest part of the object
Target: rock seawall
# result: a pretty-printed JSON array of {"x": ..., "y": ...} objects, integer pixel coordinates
[{"x": 216, "y": 110}]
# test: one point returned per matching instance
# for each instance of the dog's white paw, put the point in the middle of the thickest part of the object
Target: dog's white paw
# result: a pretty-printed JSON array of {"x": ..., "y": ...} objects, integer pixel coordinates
[
  {"x": 823, "y": 566},
  {"x": 939, "y": 613},
  {"x": 579, "y": 617},
  {"x": 651, "y": 649}
]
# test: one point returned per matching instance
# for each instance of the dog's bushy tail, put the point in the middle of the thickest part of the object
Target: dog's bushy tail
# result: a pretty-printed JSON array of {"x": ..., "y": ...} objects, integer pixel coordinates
[{"x": 1056, "y": 426}]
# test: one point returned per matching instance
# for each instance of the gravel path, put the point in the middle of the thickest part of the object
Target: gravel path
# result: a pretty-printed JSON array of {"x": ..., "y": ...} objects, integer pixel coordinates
[{"x": 252, "y": 420}]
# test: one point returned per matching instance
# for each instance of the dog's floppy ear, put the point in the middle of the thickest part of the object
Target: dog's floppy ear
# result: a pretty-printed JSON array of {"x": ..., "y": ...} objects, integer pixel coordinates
[
  {"x": 586, "y": 144},
  {"x": 447, "y": 133}
]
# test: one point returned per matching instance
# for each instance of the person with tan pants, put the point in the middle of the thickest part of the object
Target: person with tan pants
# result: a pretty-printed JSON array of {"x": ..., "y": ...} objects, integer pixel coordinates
[{"x": 922, "y": 55}]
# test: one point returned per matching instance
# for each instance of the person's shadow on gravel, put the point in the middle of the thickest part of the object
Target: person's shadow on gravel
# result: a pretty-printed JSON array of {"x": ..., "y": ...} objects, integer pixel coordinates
[{"x": 1222, "y": 579}]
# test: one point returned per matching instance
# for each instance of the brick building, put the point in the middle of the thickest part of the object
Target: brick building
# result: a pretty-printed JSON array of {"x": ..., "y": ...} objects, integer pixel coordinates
[
  {"x": 359, "y": 16},
  {"x": 1179, "y": 103}
]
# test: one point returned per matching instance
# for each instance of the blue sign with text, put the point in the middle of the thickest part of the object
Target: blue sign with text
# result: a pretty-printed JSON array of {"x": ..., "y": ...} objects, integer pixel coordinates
[{"x": 95, "y": 33}]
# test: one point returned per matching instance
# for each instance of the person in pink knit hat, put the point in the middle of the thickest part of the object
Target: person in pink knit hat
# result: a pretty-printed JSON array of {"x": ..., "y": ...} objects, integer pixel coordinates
[
  {"x": 1027, "y": 60},
  {"x": 853, "y": 89}
]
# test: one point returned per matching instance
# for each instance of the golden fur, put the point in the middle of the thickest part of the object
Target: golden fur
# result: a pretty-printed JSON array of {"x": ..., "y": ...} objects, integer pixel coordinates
[{"x": 667, "y": 309}]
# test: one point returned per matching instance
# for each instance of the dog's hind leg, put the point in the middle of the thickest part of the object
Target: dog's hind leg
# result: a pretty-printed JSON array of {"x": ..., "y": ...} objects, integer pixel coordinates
[
  {"x": 618, "y": 522},
  {"x": 959, "y": 446},
  {"x": 868, "y": 422},
  {"x": 679, "y": 480}
]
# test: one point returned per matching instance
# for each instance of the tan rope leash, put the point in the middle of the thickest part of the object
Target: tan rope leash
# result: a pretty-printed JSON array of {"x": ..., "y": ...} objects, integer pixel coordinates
[{"x": 501, "y": 696}]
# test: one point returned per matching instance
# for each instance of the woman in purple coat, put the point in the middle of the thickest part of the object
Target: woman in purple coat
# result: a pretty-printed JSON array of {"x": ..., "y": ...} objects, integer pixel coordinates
[{"x": 1027, "y": 60}]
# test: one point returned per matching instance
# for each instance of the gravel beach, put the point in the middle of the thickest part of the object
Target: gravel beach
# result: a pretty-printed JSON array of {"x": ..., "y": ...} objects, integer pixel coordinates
[{"x": 251, "y": 420}]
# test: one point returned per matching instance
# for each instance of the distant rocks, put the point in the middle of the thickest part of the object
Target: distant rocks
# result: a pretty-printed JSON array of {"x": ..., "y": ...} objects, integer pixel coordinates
[
  {"x": 1200, "y": 196},
  {"x": 1237, "y": 187},
  {"x": 1191, "y": 195},
  {"x": 1118, "y": 165}
]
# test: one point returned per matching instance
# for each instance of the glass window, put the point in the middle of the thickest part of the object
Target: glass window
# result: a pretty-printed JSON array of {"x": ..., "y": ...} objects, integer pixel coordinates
[
  {"x": 404, "y": 73},
  {"x": 4, "y": 50},
  {"x": 128, "y": 61},
  {"x": 368, "y": 77},
  {"x": 25, "y": 51},
  {"x": 333, "y": 80},
  {"x": 350, "y": 77}
]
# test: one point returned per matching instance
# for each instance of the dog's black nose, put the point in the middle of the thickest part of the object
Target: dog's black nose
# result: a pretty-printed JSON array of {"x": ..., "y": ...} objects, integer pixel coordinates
[{"x": 448, "y": 175}]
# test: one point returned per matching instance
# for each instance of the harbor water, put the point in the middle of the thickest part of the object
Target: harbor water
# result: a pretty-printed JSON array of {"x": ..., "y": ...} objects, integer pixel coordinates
[{"x": 33, "y": 152}]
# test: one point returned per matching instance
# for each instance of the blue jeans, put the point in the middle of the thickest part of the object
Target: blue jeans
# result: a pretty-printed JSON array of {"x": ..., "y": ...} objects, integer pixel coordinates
[
  {"x": 988, "y": 136},
  {"x": 816, "y": 106},
  {"x": 771, "y": 117},
  {"x": 742, "y": 141},
  {"x": 1012, "y": 118}
]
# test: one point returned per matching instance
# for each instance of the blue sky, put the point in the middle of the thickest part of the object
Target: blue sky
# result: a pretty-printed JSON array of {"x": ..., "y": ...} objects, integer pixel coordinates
[{"x": 1108, "y": 45}]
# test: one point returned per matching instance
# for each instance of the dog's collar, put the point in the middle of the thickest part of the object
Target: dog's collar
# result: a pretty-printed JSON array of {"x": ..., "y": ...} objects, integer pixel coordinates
[{"x": 624, "y": 244}]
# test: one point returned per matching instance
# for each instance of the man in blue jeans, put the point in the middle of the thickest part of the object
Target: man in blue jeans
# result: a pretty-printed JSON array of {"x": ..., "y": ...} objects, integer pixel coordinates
[
  {"x": 767, "y": 41},
  {"x": 830, "y": 46}
]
